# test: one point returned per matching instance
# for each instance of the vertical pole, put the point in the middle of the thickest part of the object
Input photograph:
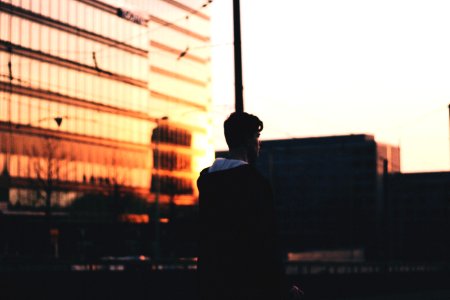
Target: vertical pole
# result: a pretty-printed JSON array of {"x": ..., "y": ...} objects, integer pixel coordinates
[
  {"x": 157, "y": 191},
  {"x": 239, "y": 98},
  {"x": 9, "y": 140},
  {"x": 380, "y": 216},
  {"x": 446, "y": 214},
  {"x": 387, "y": 230},
  {"x": 157, "y": 167}
]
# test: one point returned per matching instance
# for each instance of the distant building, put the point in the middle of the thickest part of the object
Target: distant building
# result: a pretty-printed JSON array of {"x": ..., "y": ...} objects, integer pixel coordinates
[
  {"x": 93, "y": 92},
  {"x": 418, "y": 226},
  {"x": 344, "y": 198},
  {"x": 329, "y": 190}
]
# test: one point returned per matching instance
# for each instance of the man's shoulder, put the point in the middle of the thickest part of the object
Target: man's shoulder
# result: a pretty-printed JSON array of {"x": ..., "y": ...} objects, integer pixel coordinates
[
  {"x": 255, "y": 172},
  {"x": 241, "y": 173},
  {"x": 252, "y": 174},
  {"x": 246, "y": 169},
  {"x": 204, "y": 171}
]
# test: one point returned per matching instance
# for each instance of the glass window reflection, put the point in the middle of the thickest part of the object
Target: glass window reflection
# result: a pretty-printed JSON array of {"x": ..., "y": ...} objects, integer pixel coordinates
[
  {"x": 25, "y": 33},
  {"x": 36, "y": 6},
  {"x": 4, "y": 107},
  {"x": 87, "y": 87}
]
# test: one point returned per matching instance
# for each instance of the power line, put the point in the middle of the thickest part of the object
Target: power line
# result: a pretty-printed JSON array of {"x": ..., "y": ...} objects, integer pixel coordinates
[
  {"x": 191, "y": 49},
  {"x": 11, "y": 65},
  {"x": 166, "y": 24},
  {"x": 147, "y": 31},
  {"x": 415, "y": 119}
]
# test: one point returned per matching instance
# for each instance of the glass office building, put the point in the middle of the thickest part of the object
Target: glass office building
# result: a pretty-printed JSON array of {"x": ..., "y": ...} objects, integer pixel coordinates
[
  {"x": 95, "y": 94},
  {"x": 179, "y": 85}
]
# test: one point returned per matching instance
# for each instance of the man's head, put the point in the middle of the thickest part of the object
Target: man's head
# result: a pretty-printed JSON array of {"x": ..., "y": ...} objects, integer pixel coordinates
[{"x": 242, "y": 133}]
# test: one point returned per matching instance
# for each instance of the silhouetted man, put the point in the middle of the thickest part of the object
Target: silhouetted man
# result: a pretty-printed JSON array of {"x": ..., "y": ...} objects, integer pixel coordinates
[{"x": 239, "y": 257}]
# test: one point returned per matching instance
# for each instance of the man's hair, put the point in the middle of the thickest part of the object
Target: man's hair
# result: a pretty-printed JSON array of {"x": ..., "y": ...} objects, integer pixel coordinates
[{"x": 239, "y": 127}]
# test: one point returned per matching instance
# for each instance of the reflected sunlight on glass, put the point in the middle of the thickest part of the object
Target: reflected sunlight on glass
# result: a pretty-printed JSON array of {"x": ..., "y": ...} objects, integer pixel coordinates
[{"x": 110, "y": 75}]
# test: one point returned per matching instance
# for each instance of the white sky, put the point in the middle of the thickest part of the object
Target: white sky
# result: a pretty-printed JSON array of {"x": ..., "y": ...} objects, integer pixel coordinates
[{"x": 315, "y": 68}]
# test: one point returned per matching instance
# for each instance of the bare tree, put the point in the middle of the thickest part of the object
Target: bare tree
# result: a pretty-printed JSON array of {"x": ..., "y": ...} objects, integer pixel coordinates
[{"x": 49, "y": 166}]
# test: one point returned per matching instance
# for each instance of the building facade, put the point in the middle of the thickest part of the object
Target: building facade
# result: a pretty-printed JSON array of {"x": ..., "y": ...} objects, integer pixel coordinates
[
  {"x": 180, "y": 95},
  {"x": 418, "y": 223},
  {"x": 96, "y": 95},
  {"x": 329, "y": 191},
  {"x": 344, "y": 198}
]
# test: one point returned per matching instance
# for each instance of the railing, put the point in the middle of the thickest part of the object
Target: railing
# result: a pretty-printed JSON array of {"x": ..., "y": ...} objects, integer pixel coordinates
[
  {"x": 292, "y": 269},
  {"x": 316, "y": 268}
]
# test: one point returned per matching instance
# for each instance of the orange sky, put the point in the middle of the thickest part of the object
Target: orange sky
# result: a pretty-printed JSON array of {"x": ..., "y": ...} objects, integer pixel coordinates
[{"x": 314, "y": 68}]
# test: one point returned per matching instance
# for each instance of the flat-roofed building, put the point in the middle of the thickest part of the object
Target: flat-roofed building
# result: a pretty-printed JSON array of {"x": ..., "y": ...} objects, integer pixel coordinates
[
  {"x": 329, "y": 191},
  {"x": 418, "y": 216}
]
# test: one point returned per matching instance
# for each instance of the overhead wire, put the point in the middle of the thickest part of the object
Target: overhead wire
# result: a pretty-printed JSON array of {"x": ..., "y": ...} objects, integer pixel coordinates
[
  {"x": 166, "y": 24},
  {"x": 147, "y": 31},
  {"x": 416, "y": 119},
  {"x": 94, "y": 54},
  {"x": 191, "y": 49}
]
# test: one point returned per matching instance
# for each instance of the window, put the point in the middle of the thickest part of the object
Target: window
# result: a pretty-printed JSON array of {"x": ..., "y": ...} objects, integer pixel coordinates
[
  {"x": 54, "y": 79},
  {"x": 15, "y": 108},
  {"x": 35, "y": 36},
  {"x": 54, "y": 9},
  {"x": 25, "y": 38},
  {"x": 24, "y": 110},
  {"x": 36, "y": 6},
  {"x": 24, "y": 164},
  {"x": 45, "y": 7},
  {"x": 54, "y": 42},
  {"x": 89, "y": 12},
  {"x": 14, "y": 165},
  {"x": 45, "y": 39},
  {"x": 72, "y": 12},
  {"x": 26, "y": 4},
  {"x": 63, "y": 11},
  {"x": 4, "y": 107},
  {"x": 44, "y": 76},
  {"x": 15, "y": 23},
  {"x": 15, "y": 69},
  {"x": 4, "y": 26}
]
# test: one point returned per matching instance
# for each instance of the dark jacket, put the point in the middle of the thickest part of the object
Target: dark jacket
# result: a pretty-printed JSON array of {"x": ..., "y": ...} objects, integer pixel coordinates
[{"x": 239, "y": 256}]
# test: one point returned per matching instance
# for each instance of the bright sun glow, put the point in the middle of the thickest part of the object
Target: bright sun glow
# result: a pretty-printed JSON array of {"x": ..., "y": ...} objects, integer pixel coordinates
[{"x": 314, "y": 68}]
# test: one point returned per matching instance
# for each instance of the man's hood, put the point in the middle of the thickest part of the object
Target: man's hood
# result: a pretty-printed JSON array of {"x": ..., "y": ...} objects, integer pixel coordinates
[{"x": 222, "y": 164}]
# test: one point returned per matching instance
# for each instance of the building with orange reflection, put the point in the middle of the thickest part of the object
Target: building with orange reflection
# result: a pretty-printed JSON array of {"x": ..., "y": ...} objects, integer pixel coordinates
[{"x": 100, "y": 95}]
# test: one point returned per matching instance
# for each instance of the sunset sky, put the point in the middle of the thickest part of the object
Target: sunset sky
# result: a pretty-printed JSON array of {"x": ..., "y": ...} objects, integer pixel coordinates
[{"x": 327, "y": 67}]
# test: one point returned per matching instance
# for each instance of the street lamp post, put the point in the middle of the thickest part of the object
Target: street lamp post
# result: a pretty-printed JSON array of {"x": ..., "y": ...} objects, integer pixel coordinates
[{"x": 239, "y": 97}]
